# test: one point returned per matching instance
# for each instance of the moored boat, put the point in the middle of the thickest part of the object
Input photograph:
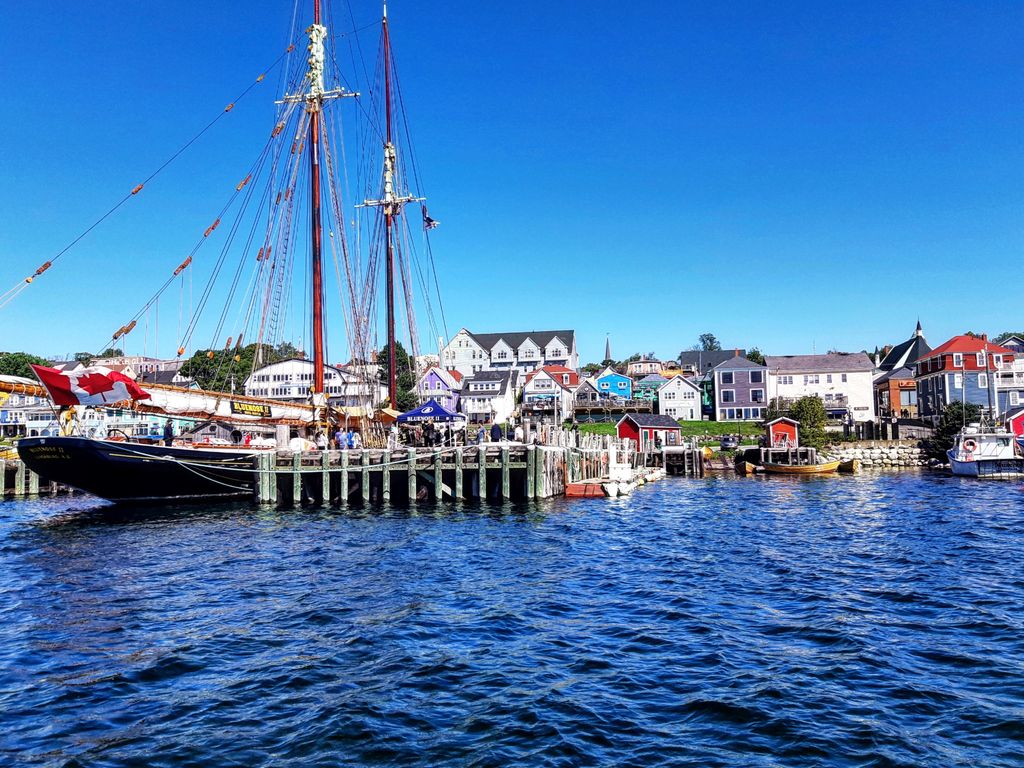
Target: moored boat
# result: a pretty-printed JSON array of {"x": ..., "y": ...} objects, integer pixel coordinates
[
  {"x": 985, "y": 454},
  {"x": 850, "y": 466},
  {"x": 138, "y": 473},
  {"x": 802, "y": 469}
]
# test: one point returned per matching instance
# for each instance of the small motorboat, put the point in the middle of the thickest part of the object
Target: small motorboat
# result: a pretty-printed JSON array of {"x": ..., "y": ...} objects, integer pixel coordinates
[
  {"x": 802, "y": 469},
  {"x": 850, "y": 466}
]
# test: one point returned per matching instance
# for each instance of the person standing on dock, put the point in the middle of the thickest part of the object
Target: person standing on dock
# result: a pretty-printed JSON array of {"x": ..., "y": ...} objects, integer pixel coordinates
[
  {"x": 495, "y": 432},
  {"x": 168, "y": 432},
  {"x": 357, "y": 441}
]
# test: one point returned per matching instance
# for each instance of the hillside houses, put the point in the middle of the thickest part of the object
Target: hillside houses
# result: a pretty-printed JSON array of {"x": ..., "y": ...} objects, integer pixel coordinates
[
  {"x": 523, "y": 351},
  {"x": 842, "y": 380}
]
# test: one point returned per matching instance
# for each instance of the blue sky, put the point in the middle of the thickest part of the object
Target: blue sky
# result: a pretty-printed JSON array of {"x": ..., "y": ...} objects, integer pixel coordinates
[{"x": 792, "y": 176}]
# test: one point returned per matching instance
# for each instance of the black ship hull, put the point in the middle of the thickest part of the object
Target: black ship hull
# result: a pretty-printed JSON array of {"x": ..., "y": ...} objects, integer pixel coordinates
[{"x": 136, "y": 473}]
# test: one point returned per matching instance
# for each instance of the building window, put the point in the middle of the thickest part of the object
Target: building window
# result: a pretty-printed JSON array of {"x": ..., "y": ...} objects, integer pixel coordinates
[
  {"x": 728, "y": 396},
  {"x": 727, "y": 377},
  {"x": 982, "y": 381},
  {"x": 785, "y": 379},
  {"x": 1014, "y": 397},
  {"x": 756, "y": 377},
  {"x": 958, "y": 360},
  {"x": 997, "y": 361},
  {"x": 844, "y": 378},
  {"x": 979, "y": 358},
  {"x": 757, "y": 395},
  {"x": 958, "y": 381},
  {"x": 828, "y": 378},
  {"x": 810, "y": 379}
]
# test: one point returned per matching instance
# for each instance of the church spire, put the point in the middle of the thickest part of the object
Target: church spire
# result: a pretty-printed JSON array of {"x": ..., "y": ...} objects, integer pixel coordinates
[{"x": 607, "y": 347}]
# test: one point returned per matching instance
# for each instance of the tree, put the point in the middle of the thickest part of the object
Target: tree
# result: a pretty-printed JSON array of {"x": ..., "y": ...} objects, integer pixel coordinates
[
  {"x": 405, "y": 394},
  {"x": 111, "y": 352},
  {"x": 809, "y": 411},
  {"x": 755, "y": 356},
  {"x": 953, "y": 418},
  {"x": 708, "y": 343},
  {"x": 218, "y": 371},
  {"x": 83, "y": 357},
  {"x": 591, "y": 368},
  {"x": 18, "y": 364}
]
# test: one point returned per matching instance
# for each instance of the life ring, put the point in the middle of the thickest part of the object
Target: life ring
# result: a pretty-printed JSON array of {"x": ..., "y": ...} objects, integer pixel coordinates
[{"x": 970, "y": 445}]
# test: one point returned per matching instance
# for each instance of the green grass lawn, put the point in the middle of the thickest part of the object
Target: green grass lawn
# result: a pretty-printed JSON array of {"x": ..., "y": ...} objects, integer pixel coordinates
[{"x": 748, "y": 430}]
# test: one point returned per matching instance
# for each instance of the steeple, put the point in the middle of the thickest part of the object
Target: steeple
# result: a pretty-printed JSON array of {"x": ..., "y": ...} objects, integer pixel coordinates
[
  {"x": 920, "y": 331},
  {"x": 607, "y": 347}
]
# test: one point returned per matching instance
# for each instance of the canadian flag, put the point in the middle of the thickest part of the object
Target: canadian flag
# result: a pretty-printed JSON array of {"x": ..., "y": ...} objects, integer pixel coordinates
[{"x": 88, "y": 386}]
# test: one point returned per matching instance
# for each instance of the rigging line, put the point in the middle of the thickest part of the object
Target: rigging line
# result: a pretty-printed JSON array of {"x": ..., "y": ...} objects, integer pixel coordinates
[
  {"x": 199, "y": 243},
  {"x": 166, "y": 163}
]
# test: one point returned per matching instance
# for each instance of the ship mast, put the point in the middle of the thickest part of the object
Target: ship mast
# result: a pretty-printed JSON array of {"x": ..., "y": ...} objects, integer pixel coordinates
[
  {"x": 392, "y": 204},
  {"x": 314, "y": 99}
]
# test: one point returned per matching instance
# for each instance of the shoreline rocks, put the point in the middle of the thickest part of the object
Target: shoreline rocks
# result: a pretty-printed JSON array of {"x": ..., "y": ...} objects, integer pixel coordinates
[{"x": 880, "y": 455}]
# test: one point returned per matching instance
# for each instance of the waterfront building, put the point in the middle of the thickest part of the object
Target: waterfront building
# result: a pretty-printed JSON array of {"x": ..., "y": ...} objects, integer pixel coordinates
[
  {"x": 644, "y": 366},
  {"x": 612, "y": 384},
  {"x": 171, "y": 378},
  {"x": 738, "y": 389},
  {"x": 524, "y": 351},
  {"x": 138, "y": 364},
  {"x": 650, "y": 431},
  {"x": 842, "y": 380},
  {"x": 647, "y": 387},
  {"x": 680, "y": 398},
  {"x": 587, "y": 393},
  {"x": 1012, "y": 341},
  {"x": 291, "y": 379},
  {"x": 969, "y": 369},
  {"x": 489, "y": 396},
  {"x": 698, "y": 362},
  {"x": 549, "y": 392},
  {"x": 443, "y": 386},
  {"x": 894, "y": 383}
]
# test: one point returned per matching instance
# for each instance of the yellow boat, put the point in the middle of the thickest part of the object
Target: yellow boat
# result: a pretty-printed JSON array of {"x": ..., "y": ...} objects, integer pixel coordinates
[
  {"x": 746, "y": 468},
  {"x": 802, "y": 469},
  {"x": 850, "y": 465}
]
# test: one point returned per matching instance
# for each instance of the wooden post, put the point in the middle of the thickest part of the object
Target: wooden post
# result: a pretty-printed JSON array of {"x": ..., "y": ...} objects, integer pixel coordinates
[
  {"x": 458, "y": 473},
  {"x": 33, "y": 483},
  {"x": 19, "y": 479},
  {"x": 412, "y": 474},
  {"x": 505, "y": 490},
  {"x": 344, "y": 478},
  {"x": 531, "y": 468},
  {"x": 438, "y": 490},
  {"x": 297, "y": 478},
  {"x": 481, "y": 453},
  {"x": 325, "y": 477},
  {"x": 385, "y": 478},
  {"x": 3, "y": 479},
  {"x": 260, "y": 485},
  {"x": 365, "y": 462}
]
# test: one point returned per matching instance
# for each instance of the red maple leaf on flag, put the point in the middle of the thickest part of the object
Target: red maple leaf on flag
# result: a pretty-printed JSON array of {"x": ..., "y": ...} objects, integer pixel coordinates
[{"x": 95, "y": 383}]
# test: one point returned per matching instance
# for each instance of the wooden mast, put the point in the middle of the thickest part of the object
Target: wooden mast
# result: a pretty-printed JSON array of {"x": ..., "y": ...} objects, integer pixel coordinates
[
  {"x": 391, "y": 202},
  {"x": 316, "y": 234},
  {"x": 389, "y": 213}
]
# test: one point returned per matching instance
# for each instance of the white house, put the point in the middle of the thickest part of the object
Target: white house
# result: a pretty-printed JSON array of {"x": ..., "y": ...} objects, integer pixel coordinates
[
  {"x": 489, "y": 396},
  {"x": 471, "y": 353},
  {"x": 679, "y": 397},
  {"x": 291, "y": 380},
  {"x": 843, "y": 381}
]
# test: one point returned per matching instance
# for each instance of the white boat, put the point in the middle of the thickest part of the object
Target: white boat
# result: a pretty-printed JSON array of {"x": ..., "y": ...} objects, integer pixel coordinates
[{"x": 985, "y": 454}]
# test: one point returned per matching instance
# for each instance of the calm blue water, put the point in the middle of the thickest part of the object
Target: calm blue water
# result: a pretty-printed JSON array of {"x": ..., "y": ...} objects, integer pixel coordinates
[{"x": 864, "y": 621}]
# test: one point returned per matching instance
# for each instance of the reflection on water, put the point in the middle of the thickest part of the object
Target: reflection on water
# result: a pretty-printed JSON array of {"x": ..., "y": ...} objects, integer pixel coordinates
[{"x": 869, "y": 620}]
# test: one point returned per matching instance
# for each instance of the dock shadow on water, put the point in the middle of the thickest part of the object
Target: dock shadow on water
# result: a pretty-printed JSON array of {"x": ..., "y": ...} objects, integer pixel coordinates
[{"x": 868, "y": 620}]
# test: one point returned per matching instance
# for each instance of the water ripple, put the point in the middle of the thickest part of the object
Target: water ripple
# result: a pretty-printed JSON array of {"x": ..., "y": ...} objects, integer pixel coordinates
[{"x": 866, "y": 621}]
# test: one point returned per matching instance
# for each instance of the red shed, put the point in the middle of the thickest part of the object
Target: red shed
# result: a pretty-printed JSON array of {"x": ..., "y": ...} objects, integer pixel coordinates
[
  {"x": 1015, "y": 422},
  {"x": 783, "y": 433},
  {"x": 649, "y": 429}
]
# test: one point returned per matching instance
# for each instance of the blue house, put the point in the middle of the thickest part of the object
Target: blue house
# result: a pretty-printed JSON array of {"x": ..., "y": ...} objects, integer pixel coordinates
[{"x": 614, "y": 385}]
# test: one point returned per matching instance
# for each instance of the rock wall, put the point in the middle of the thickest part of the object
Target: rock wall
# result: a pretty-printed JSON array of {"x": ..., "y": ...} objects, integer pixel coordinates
[{"x": 893, "y": 454}]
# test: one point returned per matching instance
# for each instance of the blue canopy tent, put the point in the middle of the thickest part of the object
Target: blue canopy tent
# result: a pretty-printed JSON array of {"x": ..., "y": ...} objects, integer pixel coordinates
[{"x": 430, "y": 411}]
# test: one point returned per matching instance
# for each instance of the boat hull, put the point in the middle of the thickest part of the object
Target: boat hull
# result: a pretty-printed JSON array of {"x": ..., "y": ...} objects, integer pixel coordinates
[
  {"x": 136, "y": 473},
  {"x": 985, "y": 468},
  {"x": 802, "y": 469}
]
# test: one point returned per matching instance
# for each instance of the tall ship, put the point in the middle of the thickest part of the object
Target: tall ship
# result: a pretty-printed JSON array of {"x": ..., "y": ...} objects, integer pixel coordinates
[{"x": 291, "y": 225}]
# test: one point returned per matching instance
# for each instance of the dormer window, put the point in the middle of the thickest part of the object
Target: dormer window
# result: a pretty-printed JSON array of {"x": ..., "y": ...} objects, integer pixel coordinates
[
  {"x": 958, "y": 360},
  {"x": 980, "y": 359}
]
